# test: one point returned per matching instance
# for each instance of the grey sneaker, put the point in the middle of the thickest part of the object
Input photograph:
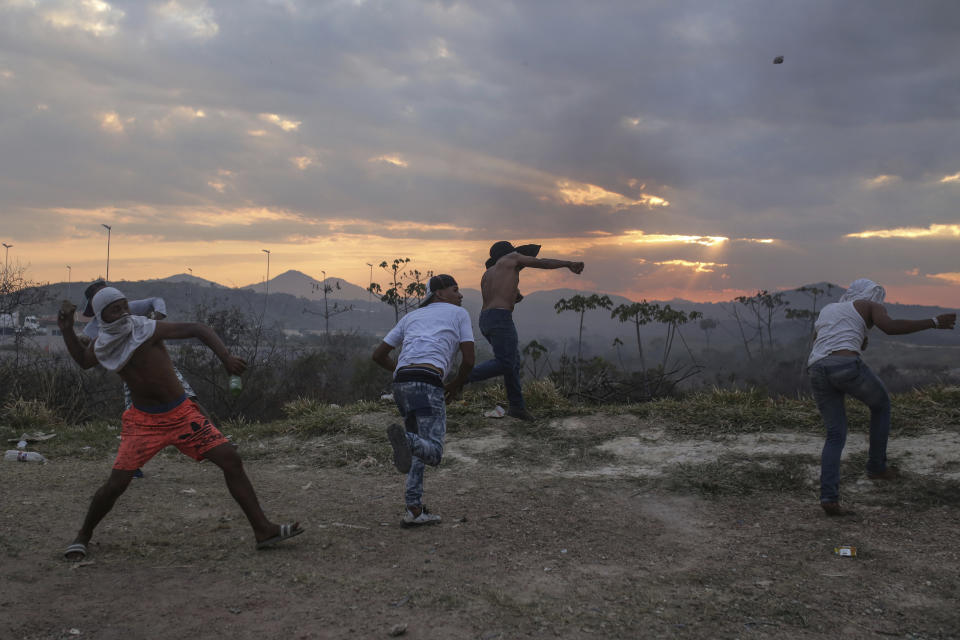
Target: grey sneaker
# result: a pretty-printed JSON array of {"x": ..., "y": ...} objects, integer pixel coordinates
[
  {"x": 402, "y": 457},
  {"x": 425, "y": 517}
]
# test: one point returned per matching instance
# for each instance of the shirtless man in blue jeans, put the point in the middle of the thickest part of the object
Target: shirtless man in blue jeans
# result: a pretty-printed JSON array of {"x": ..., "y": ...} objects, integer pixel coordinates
[
  {"x": 836, "y": 370},
  {"x": 500, "y": 288}
]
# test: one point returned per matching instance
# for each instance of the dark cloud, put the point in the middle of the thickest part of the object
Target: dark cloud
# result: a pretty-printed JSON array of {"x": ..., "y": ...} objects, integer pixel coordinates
[{"x": 489, "y": 104}]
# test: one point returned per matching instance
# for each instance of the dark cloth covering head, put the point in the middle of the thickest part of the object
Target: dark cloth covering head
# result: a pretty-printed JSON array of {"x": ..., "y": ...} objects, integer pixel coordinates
[
  {"x": 88, "y": 294},
  {"x": 441, "y": 281},
  {"x": 502, "y": 248}
]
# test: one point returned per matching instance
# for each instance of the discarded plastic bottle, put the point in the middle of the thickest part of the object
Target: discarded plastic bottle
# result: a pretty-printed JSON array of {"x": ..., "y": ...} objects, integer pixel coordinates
[
  {"x": 235, "y": 385},
  {"x": 23, "y": 456}
]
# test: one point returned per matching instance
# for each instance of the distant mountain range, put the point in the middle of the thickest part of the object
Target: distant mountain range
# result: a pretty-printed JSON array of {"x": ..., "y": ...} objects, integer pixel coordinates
[
  {"x": 300, "y": 285},
  {"x": 295, "y": 302}
]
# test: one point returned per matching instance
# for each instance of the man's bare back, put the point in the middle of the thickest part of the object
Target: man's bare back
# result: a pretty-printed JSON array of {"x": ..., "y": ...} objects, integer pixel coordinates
[{"x": 500, "y": 284}]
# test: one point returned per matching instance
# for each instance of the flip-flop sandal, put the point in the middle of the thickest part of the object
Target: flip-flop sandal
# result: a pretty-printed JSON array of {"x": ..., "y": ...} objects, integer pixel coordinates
[
  {"x": 286, "y": 531},
  {"x": 76, "y": 547}
]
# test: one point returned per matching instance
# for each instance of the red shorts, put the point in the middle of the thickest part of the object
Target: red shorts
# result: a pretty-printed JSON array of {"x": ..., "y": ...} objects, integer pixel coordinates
[{"x": 145, "y": 434}]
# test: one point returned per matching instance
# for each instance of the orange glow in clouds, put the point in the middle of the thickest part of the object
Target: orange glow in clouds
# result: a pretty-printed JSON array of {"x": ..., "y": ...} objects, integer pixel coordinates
[{"x": 933, "y": 231}]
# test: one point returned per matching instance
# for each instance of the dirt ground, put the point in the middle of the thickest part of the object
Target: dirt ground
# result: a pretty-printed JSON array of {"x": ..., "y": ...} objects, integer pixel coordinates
[{"x": 616, "y": 543}]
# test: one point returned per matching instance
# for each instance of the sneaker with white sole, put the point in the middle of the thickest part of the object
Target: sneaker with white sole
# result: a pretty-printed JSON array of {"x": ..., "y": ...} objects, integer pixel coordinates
[{"x": 425, "y": 517}]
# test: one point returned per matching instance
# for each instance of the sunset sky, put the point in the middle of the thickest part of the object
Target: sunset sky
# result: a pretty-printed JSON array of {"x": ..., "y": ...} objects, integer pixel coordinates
[{"x": 654, "y": 140}]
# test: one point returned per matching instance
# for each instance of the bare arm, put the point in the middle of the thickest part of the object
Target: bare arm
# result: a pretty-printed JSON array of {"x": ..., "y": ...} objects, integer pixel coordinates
[
  {"x": 153, "y": 308},
  {"x": 381, "y": 355},
  {"x": 467, "y": 359},
  {"x": 82, "y": 354},
  {"x": 877, "y": 315},
  {"x": 547, "y": 263},
  {"x": 206, "y": 335}
]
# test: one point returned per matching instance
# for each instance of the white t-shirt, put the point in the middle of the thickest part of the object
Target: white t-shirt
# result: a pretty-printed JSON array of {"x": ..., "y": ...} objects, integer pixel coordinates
[
  {"x": 431, "y": 335},
  {"x": 839, "y": 327}
]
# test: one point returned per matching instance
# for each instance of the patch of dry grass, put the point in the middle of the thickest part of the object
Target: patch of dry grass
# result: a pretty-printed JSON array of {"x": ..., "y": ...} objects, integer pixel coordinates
[{"x": 737, "y": 476}]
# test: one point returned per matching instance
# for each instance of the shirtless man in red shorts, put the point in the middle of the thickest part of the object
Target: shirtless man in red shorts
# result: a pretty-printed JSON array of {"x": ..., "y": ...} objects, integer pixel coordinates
[{"x": 161, "y": 414}]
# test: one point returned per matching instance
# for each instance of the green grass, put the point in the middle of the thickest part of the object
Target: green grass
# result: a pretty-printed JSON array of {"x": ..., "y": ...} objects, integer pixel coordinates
[
  {"x": 353, "y": 434},
  {"x": 726, "y": 412}
]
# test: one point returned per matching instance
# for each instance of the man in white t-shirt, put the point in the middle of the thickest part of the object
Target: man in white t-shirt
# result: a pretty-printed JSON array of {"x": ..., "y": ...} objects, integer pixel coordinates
[
  {"x": 837, "y": 371},
  {"x": 430, "y": 337}
]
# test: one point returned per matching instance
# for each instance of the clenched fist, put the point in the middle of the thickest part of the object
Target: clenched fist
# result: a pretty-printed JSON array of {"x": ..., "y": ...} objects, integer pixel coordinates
[{"x": 65, "y": 315}]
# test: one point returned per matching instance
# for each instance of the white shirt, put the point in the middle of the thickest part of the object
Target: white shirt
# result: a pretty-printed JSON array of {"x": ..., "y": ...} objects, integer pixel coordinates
[
  {"x": 431, "y": 335},
  {"x": 839, "y": 326}
]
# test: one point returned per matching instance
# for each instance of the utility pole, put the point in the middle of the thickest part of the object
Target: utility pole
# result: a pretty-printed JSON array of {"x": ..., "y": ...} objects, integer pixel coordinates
[{"x": 69, "y": 270}]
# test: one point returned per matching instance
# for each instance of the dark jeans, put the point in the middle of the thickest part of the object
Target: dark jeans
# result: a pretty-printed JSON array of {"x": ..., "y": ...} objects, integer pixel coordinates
[
  {"x": 832, "y": 378},
  {"x": 497, "y": 327}
]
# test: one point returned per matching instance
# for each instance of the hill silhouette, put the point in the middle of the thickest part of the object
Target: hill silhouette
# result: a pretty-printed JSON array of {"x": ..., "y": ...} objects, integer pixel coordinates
[{"x": 296, "y": 303}]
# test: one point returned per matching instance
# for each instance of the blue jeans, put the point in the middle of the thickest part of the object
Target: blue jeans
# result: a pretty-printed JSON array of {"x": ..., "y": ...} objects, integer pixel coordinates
[
  {"x": 497, "y": 327},
  {"x": 832, "y": 378},
  {"x": 425, "y": 417}
]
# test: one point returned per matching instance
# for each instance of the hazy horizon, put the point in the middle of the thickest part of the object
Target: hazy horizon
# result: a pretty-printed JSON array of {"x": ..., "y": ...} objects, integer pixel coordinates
[{"x": 77, "y": 288}]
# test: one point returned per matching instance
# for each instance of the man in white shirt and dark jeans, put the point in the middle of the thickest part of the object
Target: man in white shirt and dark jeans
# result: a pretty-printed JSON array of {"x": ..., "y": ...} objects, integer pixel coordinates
[
  {"x": 430, "y": 337},
  {"x": 836, "y": 371}
]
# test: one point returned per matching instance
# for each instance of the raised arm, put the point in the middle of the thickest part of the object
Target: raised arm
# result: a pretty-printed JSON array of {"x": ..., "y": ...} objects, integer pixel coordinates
[
  {"x": 154, "y": 308},
  {"x": 547, "y": 263},
  {"x": 877, "y": 315},
  {"x": 467, "y": 359},
  {"x": 206, "y": 335},
  {"x": 82, "y": 355},
  {"x": 381, "y": 355}
]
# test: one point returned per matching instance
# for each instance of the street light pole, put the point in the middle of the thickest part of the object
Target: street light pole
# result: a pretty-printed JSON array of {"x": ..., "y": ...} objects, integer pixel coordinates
[
  {"x": 108, "y": 228},
  {"x": 266, "y": 283},
  {"x": 69, "y": 270},
  {"x": 6, "y": 254},
  {"x": 369, "y": 290}
]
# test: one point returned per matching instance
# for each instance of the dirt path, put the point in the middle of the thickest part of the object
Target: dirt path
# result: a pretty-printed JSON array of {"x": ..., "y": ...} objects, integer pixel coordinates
[{"x": 605, "y": 548}]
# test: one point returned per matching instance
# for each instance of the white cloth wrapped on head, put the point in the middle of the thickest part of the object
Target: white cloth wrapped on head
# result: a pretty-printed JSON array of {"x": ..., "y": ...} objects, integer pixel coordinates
[
  {"x": 117, "y": 340},
  {"x": 864, "y": 289}
]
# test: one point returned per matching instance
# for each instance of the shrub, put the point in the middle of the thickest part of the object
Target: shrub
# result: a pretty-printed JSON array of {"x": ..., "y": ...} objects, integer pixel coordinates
[{"x": 29, "y": 414}]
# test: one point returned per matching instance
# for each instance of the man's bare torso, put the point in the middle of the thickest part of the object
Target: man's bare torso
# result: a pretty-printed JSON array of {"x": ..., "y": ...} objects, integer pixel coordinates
[
  {"x": 499, "y": 285},
  {"x": 150, "y": 375}
]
